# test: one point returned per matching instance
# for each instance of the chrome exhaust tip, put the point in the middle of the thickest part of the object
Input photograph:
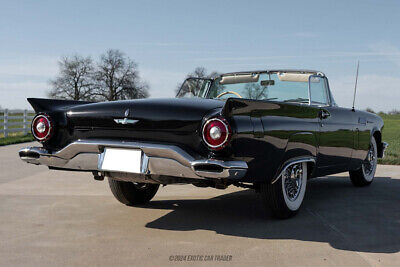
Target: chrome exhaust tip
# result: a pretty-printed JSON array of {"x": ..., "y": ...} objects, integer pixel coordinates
[{"x": 28, "y": 153}]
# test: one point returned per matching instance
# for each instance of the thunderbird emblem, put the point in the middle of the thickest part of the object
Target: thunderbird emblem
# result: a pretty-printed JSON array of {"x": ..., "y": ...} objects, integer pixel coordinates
[{"x": 126, "y": 120}]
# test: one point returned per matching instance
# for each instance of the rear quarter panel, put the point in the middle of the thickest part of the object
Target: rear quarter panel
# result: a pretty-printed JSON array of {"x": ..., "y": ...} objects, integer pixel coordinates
[
  {"x": 267, "y": 134},
  {"x": 369, "y": 125}
]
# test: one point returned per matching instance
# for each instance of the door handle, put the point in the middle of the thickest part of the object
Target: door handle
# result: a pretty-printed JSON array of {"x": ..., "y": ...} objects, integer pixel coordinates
[{"x": 324, "y": 114}]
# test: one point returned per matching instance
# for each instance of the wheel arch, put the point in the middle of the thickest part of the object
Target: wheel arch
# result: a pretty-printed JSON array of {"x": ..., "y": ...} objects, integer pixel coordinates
[
  {"x": 311, "y": 161},
  {"x": 377, "y": 134}
]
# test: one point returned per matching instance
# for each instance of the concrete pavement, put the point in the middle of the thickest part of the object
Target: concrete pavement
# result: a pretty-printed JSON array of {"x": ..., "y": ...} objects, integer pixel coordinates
[{"x": 55, "y": 218}]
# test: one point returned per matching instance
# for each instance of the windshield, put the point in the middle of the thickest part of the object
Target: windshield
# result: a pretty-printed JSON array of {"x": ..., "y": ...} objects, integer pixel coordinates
[
  {"x": 268, "y": 87},
  {"x": 276, "y": 86}
]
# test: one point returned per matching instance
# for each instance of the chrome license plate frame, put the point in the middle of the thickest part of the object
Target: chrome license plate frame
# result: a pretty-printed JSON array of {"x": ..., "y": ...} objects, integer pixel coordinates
[{"x": 121, "y": 160}]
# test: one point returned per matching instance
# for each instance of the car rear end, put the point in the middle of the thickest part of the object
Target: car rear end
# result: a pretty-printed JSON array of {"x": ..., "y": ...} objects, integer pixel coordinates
[{"x": 159, "y": 141}]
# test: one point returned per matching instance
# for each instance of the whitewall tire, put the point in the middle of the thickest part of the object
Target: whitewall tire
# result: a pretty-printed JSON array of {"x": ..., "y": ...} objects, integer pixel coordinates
[
  {"x": 285, "y": 196},
  {"x": 365, "y": 175}
]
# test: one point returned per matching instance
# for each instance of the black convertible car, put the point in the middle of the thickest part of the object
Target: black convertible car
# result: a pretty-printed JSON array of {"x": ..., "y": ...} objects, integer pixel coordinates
[{"x": 266, "y": 130}]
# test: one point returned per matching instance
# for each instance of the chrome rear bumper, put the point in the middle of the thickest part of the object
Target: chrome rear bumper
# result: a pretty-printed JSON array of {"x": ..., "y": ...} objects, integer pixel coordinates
[{"x": 157, "y": 159}]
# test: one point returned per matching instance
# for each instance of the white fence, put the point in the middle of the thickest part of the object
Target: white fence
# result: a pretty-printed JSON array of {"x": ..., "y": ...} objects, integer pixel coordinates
[{"x": 15, "y": 121}]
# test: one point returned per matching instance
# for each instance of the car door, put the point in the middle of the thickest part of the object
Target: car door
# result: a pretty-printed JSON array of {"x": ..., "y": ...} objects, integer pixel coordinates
[{"x": 336, "y": 129}]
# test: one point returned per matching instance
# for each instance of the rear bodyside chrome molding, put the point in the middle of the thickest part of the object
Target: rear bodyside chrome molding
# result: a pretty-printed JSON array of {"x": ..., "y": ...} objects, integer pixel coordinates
[{"x": 157, "y": 159}]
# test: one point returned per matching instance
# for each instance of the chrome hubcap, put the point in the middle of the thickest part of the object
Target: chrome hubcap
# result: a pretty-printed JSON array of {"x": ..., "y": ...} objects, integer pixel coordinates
[
  {"x": 369, "y": 162},
  {"x": 293, "y": 181}
]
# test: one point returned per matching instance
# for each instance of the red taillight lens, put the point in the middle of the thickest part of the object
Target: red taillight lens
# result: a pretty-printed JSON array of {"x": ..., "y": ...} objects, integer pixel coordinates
[
  {"x": 42, "y": 127},
  {"x": 216, "y": 133}
]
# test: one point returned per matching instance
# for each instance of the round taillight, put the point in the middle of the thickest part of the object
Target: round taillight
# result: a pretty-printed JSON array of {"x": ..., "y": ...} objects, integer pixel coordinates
[
  {"x": 216, "y": 133},
  {"x": 42, "y": 127}
]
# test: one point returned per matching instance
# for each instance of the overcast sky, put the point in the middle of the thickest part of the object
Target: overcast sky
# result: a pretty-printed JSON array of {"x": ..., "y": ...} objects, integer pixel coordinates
[{"x": 168, "y": 39}]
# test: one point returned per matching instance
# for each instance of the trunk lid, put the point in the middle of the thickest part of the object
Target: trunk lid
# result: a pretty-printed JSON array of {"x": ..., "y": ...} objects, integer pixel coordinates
[
  {"x": 141, "y": 113},
  {"x": 175, "y": 121}
]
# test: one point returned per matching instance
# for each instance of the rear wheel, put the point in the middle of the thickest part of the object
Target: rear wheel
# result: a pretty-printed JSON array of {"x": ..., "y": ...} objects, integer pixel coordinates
[
  {"x": 132, "y": 194},
  {"x": 365, "y": 175},
  {"x": 286, "y": 195}
]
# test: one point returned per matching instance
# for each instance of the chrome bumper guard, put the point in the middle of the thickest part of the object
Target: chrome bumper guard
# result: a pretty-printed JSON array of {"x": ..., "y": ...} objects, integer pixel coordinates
[
  {"x": 384, "y": 146},
  {"x": 157, "y": 159}
]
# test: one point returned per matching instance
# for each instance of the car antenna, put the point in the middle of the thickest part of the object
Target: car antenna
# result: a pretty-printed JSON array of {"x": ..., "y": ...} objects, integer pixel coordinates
[{"x": 355, "y": 86}]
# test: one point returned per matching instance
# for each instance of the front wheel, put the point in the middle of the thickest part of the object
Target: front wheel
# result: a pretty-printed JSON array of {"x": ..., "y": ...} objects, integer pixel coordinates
[
  {"x": 286, "y": 195},
  {"x": 365, "y": 175},
  {"x": 132, "y": 194}
]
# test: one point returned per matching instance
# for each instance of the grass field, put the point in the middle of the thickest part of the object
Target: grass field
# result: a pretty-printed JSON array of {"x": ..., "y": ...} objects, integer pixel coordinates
[
  {"x": 15, "y": 138},
  {"x": 391, "y": 134}
]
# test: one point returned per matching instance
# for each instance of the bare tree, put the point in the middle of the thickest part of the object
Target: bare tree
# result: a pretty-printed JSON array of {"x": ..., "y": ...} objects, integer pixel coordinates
[
  {"x": 256, "y": 91},
  {"x": 199, "y": 72},
  {"x": 117, "y": 78},
  {"x": 74, "y": 79}
]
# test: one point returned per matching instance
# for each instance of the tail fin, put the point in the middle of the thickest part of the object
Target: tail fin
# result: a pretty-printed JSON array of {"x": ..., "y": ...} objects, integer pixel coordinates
[
  {"x": 239, "y": 106},
  {"x": 42, "y": 104},
  {"x": 233, "y": 106}
]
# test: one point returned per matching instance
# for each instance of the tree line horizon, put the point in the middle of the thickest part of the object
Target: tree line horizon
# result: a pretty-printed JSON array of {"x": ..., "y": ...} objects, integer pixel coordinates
[{"x": 114, "y": 76}]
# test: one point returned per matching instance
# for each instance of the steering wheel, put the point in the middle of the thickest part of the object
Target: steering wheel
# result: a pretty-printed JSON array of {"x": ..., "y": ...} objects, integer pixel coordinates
[{"x": 229, "y": 92}]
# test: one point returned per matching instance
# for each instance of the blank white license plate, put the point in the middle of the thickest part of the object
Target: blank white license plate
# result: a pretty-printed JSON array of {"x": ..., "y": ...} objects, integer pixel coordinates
[{"x": 121, "y": 160}]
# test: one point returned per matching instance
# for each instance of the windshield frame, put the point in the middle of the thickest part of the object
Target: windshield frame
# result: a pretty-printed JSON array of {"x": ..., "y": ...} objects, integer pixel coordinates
[
  {"x": 312, "y": 74},
  {"x": 327, "y": 92},
  {"x": 209, "y": 80}
]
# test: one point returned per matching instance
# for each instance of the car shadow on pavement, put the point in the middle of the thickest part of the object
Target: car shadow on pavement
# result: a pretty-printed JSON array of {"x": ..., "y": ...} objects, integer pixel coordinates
[{"x": 357, "y": 219}]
